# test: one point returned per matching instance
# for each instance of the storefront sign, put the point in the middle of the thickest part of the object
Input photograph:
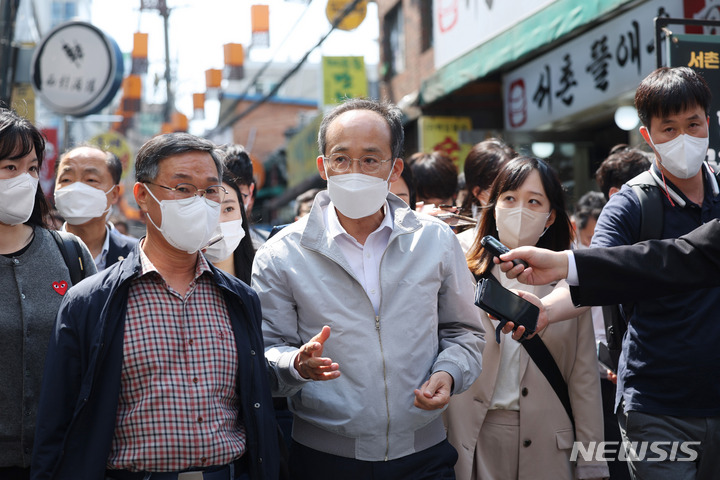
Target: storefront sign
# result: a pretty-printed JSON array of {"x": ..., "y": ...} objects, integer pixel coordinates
[
  {"x": 460, "y": 25},
  {"x": 302, "y": 153},
  {"x": 702, "y": 53},
  {"x": 598, "y": 66},
  {"x": 443, "y": 134},
  {"x": 343, "y": 78},
  {"x": 76, "y": 69},
  {"x": 116, "y": 143},
  {"x": 352, "y": 20}
]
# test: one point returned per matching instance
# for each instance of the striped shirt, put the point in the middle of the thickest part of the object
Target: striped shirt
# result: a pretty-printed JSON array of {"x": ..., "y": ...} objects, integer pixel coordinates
[{"x": 178, "y": 407}]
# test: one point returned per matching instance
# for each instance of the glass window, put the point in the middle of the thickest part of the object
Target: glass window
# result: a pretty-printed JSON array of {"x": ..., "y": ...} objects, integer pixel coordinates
[{"x": 395, "y": 41}]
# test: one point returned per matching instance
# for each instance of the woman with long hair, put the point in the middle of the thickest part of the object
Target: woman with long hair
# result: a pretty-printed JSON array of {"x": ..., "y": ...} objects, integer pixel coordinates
[
  {"x": 511, "y": 424},
  {"x": 234, "y": 252}
]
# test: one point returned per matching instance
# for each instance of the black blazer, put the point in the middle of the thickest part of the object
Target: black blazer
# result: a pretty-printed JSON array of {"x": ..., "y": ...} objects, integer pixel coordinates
[
  {"x": 649, "y": 269},
  {"x": 119, "y": 247}
]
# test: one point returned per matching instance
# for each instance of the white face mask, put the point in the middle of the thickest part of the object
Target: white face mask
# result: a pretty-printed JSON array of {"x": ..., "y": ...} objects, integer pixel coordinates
[
  {"x": 17, "y": 198},
  {"x": 357, "y": 195},
  {"x": 684, "y": 155},
  {"x": 519, "y": 227},
  {"x": 187, "y": 224},
  {"x": 79, "y": 203},
  {"x": 232, "y": 233}
]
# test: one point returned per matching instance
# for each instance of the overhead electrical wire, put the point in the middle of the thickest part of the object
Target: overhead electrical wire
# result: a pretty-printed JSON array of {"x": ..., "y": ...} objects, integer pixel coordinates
[
  {"x": 227, "y": 121},
  {"x": 267, "y": 64}
]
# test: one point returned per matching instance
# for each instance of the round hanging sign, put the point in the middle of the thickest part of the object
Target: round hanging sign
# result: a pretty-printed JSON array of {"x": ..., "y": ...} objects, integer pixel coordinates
[{"x": 77, "y": 69}]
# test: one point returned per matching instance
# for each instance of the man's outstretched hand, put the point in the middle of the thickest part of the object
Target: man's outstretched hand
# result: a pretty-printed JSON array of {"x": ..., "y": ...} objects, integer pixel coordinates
[
  {"x": 310, "y": 364},
  {"x": 544, "y": 266}
]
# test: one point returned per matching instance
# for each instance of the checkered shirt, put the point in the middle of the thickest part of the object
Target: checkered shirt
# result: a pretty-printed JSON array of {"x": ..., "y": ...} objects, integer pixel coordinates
[{"x": 178, "y": 407}]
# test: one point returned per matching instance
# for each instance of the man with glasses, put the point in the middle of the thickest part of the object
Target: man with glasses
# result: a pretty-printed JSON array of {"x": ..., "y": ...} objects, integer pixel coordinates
[
  {"x": 368, "y": 314},
  {"x": 154, "y": 370}
]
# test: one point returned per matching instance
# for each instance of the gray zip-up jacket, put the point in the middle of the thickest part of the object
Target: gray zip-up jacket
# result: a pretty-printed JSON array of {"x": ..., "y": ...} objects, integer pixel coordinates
[{"x": 427, "y": 322}]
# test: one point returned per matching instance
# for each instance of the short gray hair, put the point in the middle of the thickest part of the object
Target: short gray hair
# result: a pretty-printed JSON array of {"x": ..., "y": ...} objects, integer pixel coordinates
[
  {"x": 147, "y": 163},
  {"x": 390, "y": 112}
]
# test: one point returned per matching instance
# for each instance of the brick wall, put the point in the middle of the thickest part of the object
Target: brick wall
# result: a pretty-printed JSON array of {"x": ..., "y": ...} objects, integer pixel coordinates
[
  {"x": 263, "y": 130},
  {"x": 418, "y": 64}
]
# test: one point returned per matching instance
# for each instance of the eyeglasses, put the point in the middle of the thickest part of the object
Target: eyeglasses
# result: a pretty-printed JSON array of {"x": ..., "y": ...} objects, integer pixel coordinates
[
  {"x": 182, "y": 191},
  {"x": 340, "y": 163}
]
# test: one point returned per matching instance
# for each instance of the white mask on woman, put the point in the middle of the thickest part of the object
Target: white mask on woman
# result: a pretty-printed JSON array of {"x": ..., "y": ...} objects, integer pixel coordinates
[
  {"x": 519, "y": 226},
  {"x": 684, "y": 155},
  {"x": 17, "y": 198},
  {"x": 232, "y": 233},
  {"x": 187, "y": 224},
  {"x": 357, "y": 195},
  {"x": 79, "y": 203}
]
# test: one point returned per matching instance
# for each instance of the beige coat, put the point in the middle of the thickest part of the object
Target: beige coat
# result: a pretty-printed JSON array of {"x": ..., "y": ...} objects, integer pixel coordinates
[{"x": 543, "y": 420}]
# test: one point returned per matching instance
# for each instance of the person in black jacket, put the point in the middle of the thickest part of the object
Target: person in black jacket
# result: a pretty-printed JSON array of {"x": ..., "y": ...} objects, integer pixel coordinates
[
  {"x": 156, "y": 364},
  {"x": 639, "y": 272},
  {"x": 86, "y": 187}
]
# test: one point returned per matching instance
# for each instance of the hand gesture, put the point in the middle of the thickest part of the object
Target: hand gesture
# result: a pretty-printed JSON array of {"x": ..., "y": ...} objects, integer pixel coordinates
[
  {"x": 309, "y": 362},
  {"x": 435, "y": 393},
  {"x": 545, "y": 266}
]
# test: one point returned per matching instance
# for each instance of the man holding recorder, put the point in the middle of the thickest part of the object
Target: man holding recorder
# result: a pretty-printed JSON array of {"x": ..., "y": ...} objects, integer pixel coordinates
[{"x": 693, "y": 261}]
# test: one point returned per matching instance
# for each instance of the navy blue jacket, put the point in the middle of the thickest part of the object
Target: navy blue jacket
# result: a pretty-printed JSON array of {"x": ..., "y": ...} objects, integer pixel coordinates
[
  {"x": 81, "y": 384},
  {"x": 119, "y": 247},
  {"x": 671, "y": 340}
]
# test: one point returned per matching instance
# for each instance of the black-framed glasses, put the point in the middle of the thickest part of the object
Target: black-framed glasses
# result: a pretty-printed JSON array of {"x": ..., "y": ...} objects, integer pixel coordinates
[
  {"x": 340, "y": 163},
  {"x": 182, "y": 191}
]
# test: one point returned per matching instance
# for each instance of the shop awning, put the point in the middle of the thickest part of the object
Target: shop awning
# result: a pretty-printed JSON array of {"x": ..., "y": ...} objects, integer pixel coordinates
[{"x": 539, "y": 31}]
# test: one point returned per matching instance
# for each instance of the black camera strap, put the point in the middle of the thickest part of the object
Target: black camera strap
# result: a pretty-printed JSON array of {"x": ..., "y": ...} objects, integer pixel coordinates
[
  {"x": 542, "y": 357},
  {"x": 540, "y": 354},
  {"x": 72, "y": 254}
]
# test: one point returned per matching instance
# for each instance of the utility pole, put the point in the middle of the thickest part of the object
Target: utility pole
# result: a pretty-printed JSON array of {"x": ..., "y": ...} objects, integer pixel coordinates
[
  {"x": 164, "y": 11},
  {"x": 8, "y": 54}
]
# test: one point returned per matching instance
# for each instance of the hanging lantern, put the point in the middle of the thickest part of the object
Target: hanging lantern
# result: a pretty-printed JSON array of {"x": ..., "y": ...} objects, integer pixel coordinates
[
  {"x": 126, "y": 122},
  {"x": 132, "y": 93},
  {"x": 179, "y": 122},
  {"x": 140, "y": 53},
  {"x": 213, "y": 82},
  {"x": 234, "y": 59},
  {"x": 260, "y": 18},
  {"x": 198, "y": 106}
]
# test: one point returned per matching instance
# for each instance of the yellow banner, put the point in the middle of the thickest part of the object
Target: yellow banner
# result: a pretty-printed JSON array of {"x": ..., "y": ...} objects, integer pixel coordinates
[
  {"x": 23, "y": 101},
  {"x": 442, "y": 133},
  {"x": 116, "y": 143},
  {"x": 343, "y": 77},
  {"x": 302, "y": 153}
]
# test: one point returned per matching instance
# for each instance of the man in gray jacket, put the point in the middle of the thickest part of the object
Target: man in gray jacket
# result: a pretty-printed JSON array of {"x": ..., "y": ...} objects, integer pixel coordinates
[{"x": 368, "y": 314}]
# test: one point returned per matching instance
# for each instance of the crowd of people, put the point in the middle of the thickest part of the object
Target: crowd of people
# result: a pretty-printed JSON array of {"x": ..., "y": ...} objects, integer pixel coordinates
[{"x": 348, "y": 345}]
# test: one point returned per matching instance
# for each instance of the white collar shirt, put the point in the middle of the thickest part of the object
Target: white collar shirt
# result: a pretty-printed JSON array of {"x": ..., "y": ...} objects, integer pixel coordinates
[
  {"x": 101, "y": 259},
  {"x": 365, "y": 259}
]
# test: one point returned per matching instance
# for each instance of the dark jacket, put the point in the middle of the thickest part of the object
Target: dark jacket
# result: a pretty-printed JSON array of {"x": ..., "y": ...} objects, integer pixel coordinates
[
  {"x": 649, "y": 269},
  {"x": 119, "y": 248},
  {"x": 81, "y": 384}
]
